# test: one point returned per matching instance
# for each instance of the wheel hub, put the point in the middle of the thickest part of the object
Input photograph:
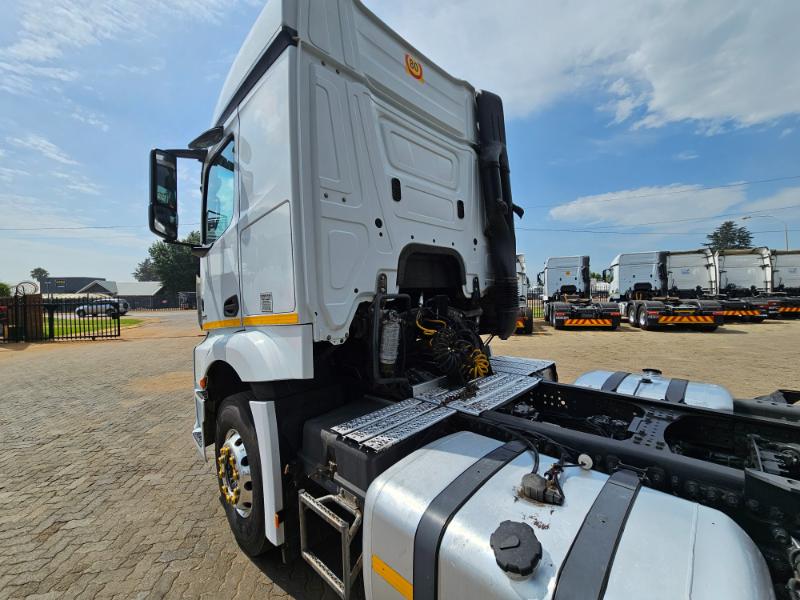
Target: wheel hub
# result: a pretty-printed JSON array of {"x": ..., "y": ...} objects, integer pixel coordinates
[{"x": 233, "y": 471}]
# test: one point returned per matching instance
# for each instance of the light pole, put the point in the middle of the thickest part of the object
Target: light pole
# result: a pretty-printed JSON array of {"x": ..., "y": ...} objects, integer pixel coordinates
[{"x": 784, "y": 223}]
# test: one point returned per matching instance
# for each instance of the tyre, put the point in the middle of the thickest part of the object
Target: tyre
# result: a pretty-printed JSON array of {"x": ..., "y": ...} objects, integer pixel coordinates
[
  {"x": 110, "y": 312},
  {"x": 81, "y": 313},
  {"x": 757, "y": 319},
  {"x": 642, "y": 318},
  {"x": 527, "y": 328},
  {"x": 239, "y": 473},
  {"x": 709, "y": 328},
  {"x": 632, "y": 315},
  {"x": 613, "y": 326}
]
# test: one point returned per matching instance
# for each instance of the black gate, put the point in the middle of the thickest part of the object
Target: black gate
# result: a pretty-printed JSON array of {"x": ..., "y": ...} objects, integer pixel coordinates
[{"x": 32, "y": 318}]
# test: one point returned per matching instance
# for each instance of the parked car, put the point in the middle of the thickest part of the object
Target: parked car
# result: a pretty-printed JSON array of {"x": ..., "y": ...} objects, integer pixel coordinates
[{"x": 104, "y": 306}]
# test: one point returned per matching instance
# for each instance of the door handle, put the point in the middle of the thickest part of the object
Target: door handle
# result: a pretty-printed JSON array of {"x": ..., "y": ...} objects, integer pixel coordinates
[{"x": 231, "y": 306}]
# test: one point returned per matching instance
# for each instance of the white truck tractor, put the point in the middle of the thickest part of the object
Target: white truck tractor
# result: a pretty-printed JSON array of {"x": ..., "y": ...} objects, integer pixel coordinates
[
  {"x": 747, "y": 276},
  {"x": 655, "y": 289},
  {"x": 357, "y": 256},
  {"x": 786, "y": 281},
  {"x": 525, "y": 319},
  {"x": 567, "y": 295}
]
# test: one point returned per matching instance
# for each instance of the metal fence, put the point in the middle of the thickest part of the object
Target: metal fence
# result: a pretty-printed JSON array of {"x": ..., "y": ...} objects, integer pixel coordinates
[{"x": 32, "y": 318}]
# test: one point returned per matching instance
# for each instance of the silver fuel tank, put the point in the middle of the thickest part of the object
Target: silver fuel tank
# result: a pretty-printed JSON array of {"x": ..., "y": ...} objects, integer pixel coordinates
[
  {"x": 421, "y": 541},
  {"x": 651, "y": 384}
]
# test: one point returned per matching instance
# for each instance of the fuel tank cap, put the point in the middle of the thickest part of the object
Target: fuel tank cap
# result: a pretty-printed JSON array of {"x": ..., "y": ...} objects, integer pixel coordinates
[{"x": 516, "y": 548}]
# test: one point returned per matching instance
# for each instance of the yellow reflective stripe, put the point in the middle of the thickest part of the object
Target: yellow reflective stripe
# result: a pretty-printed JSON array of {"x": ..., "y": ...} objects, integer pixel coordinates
[
  {"x": 393, "y": 578},
  {"x": 223, "y": 323},
  {"x": 279, "y": 319}
]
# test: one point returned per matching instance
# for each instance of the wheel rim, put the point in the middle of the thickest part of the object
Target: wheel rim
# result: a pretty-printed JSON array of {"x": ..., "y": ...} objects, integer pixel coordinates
[
  {"x": 631, "y": 316},
  {"x": 233, "y": 470},
  {"x": 642, "y": 318}
]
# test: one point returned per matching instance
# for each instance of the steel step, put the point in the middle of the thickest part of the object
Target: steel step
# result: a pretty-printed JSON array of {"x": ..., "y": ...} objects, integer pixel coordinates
[{"x": 347, "y": 532}]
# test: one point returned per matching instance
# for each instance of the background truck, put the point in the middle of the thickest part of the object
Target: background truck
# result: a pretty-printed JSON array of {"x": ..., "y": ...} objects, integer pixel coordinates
[
  {"x": 786, "y": 281},
  {"x": 525, "y": 320},
  {"x": 567, "y": 295},
  {"x": 654, "y": 289},
  {"x": 745, "y": 277},
  {"x": 357, "y": 252}
]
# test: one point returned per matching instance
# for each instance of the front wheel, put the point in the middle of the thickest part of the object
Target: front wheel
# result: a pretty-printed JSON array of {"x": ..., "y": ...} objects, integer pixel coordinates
[
  {"x": 81, "y": 313},
  {"x": 239, "y": 473}
]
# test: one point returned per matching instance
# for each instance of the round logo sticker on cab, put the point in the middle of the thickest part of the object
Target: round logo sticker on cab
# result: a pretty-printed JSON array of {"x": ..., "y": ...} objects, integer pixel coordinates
[{"x": 414, "y": 68}]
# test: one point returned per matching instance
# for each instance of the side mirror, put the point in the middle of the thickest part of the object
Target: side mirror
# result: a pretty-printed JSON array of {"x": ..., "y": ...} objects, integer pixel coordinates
[
  {"x": 163, "y": 213},
  {"x": 604, "y": 274},
  {"x": 539, "y": 280}
]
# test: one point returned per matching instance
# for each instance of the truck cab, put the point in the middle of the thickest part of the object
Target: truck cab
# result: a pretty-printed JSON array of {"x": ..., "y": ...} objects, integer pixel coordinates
[
  {"x": 746, "y": 276},
  {"x": 525, "y": 321},
  {"x": 786, "y": 281},
  {"x": 691, "y": 273}
]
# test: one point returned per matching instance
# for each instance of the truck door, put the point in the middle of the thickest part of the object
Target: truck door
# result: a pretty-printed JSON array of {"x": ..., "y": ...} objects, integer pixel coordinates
[{"x": 221, "y": 301}]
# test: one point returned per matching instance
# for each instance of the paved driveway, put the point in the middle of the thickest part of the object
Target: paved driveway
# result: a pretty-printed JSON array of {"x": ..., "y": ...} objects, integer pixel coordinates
[{"x": 101, "y": 491}]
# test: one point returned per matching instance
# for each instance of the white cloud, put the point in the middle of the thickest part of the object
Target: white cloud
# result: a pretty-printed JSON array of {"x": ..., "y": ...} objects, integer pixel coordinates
[
  {"x": 7, "y": 175},
  {"x": 786, "y": 132},
  {"x": 90, "y": 118},
  {"x": 78, "y": 183},
  {"x": 649, "y": 206},
  {"x": 658, "y": 62},
  {"x": 49, "y": 29},
  {"x": 44, "y": 147},
  {"x": 154, "y": 67},
  {"x": 686, "y": 155},
  {"x": 783, "y": 204}
]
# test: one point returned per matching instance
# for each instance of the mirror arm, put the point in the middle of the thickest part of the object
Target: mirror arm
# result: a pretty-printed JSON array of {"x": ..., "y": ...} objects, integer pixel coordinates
[
  {"x": 184, "y": 153},
  {"x": 198, "y": 251}
]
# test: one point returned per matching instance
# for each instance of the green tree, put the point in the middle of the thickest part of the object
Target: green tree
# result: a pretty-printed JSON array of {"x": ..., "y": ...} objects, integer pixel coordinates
[
  {"x": 39, "y": 273},
  {"x": 145, "y": 271},
  {"x": 728, "y": 236},
  {"x": 5, "y": 290},
  {"x": 173, "y": 265}
]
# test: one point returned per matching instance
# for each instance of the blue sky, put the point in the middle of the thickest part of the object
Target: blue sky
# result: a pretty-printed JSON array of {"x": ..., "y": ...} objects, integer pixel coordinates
[{"x": 620, "y": 116}]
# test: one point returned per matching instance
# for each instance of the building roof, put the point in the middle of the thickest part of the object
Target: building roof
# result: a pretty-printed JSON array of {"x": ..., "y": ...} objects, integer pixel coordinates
[
  {"x": 125, "y": 288},
  {"x": 103, "y": 285},
  {"x": 65, "y": 285},
  {"x": 138, "y": 288}
]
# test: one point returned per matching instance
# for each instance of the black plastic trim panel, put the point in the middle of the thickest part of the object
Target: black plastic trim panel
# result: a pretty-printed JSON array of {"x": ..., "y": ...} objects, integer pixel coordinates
[
  {"x": 285, "y": 38},
  {"x": 612, "y": 383},
  {"x": 584, "y": 573}
]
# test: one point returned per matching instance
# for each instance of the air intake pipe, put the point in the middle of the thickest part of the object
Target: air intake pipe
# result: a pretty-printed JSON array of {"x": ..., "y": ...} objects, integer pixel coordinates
[{"x": 498, "y": 211}]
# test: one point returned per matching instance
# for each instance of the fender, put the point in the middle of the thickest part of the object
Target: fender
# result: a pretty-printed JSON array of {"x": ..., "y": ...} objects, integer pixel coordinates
[
  {"x": 260, "y": 354},
  {"x": 266, "y": 425},
  {"x": 264, "y": 354}
]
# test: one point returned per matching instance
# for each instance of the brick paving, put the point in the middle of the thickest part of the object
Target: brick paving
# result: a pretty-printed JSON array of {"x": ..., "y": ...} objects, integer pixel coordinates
[{"x": 102, "y": 494}]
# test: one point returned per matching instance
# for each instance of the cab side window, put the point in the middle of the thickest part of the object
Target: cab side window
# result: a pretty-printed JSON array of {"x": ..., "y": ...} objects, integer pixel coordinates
[{"x": 220, "y": 201}]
